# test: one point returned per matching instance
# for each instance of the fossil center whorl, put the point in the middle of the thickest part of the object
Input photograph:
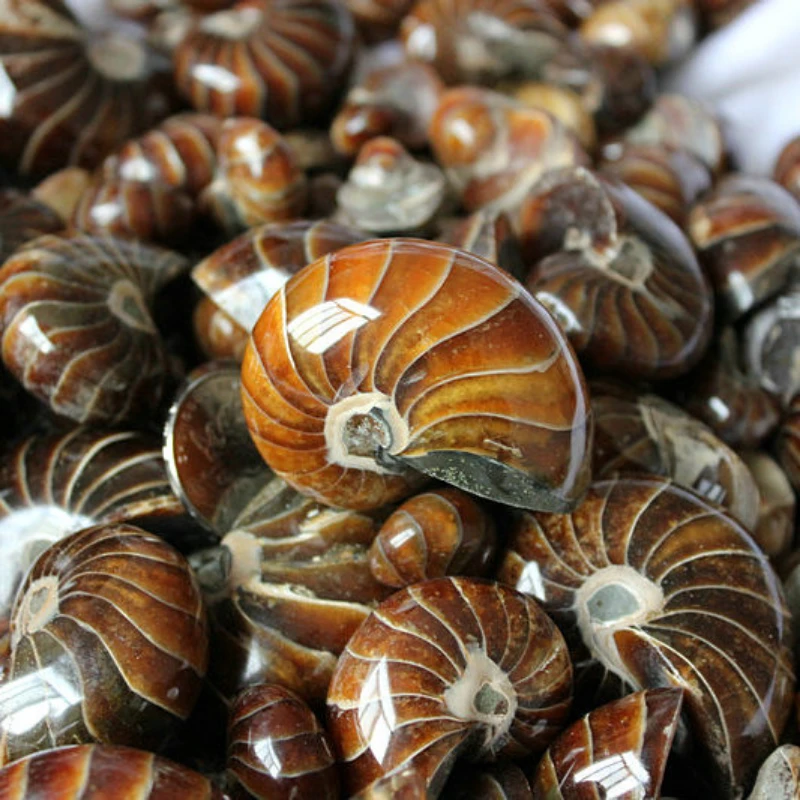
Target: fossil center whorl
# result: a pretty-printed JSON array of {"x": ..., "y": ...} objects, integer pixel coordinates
[
  {"x": 612, "y": 598},
  {"x": 119, "y": 58},
  {"x": 362, "y": 428},
  {"x": 126, "y": 302},
  {"x": 235, "y": 23},
  {"x": 484, "y": 694},
  {"x": 38, "y": 606}
]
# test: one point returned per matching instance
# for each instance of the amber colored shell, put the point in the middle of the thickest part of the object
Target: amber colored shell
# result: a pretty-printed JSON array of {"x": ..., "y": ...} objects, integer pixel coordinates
[
  {"x": 779, "y": 776},
  {"x": 23, "y": 218},
  {"x": 76, "y": 325},
  {"x": 661, "y": 588},
  {"x": 257, "y": 179},
  {"x": 493, "y": 149},
  {"x": 788, "y": 442},
  {"x": 787, "y": 167},
  {"x": 728, "y": 399},
  {"x": 108, "y": 644},
  {"x": 388, "y": 191},
  {"x": 279, "y": 60},
  {"x": 619, "y": 277},
  {"x": 217, "y": 333},
  {"x": 669, "y": 179},
  {"x": 397, "y": 101},
  {"x": 479, "y": 41},
  {"x": 240, "y": 277},
  {"x": 747, "y": 232},
  {"x": 75, "y": 95},
  {"x": 92, "y": 771},
  {"x": 345, "y": 389},
  {"x": 661, "y": 30},
  {"x": 653, "y": 436},
  {"x": 277, "y": 750},
  {"x": 433, "y": 534},
  {"x": 489, "y": 236},
  {"x": 681, "y": 123},
  {"x": 442, "y": 668},
  {"x": 617, "y": 750},
  {"x": 378, "y": 19}
]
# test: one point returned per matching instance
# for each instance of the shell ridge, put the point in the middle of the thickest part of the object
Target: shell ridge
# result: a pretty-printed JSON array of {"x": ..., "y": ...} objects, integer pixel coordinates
[
  {"x": 633, "y": 524},
  {"x": 442, "y": 618},
  {"x": 708, "y": 554},
  {"x": 95, "y": 120},
  {"x": 50, "y": 718},
  {"x": 371, "y": 659},
  {"x": 120, "y": 468},
  {"x": 696, "y": 587},
  {"x": 50, "y": 475}
]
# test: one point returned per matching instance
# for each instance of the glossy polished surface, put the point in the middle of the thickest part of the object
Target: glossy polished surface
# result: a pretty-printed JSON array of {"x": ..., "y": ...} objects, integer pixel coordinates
[
  {"x": 94, "y": 772},
  {"x": 108, "y": 644},
  {"x": 443, "y": 668},
  {"x": 658, "y": 588},
  {"x": 747, "y": 232},
  {"x": 283, "y": 61},
  {"x": 619, "y": 277},
  {"x": 619, "y": 750},
  {"x": 348, "y": 391},
  {"x": 277, "y": 750},
  {"x": 77, "y": 330}
]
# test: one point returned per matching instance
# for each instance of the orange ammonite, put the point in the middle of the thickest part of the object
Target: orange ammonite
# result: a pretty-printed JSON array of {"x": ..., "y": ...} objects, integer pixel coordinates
[{"x": 400, "y": 356}]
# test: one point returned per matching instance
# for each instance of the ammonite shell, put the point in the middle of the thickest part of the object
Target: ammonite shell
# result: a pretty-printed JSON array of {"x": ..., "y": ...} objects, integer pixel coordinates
[
  {"x": 653, "y": 436},
  {"x": 445, "y": 668},
  {"x": 61, "y": 190},
  {"x": 76, "y": 326},
  {"x": 779, "y": 776},
  {"x": 388, "y": 191},
  {"x": 669, "y": 179},
  {"x": 480, "y": 41},
  {"x": 346, "y": 388},
  {"x": 433, "y": 534},
  {"x": 281, "y": 60},
  {"x": 663, "y": 589},
  {"x": 108, "y": 644},
  {"x": 747, "y": 232},
  {"x": 277, "y": 750},
  {"x": 681, "y": 123},
  {"x": 23, "y": 218},
  {"x": 619, "y": 277},
  {"x": 257, "y": 179},
  {"x": 74, "y": 95},
  {"x": 617, "y": 750},
  {"x": 398, "y": 101},
  {"x": 787, "y": 167},
  {"x": 240, "y": 277},
  {"x": 774, "y": 530},
  {"x": 661, "y": 30},
  {"x": 85, "y": 771},
  {"x": 56, "y": 484},
  {"x": 772, "y": 345},
  {"x": 489, "y": 236},
  {"x": 493, "y": 149},
  {"x": 728, "y": 399}
]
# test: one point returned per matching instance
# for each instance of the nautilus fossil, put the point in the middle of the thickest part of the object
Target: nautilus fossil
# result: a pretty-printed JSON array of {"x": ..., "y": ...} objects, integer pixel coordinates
[
  {"x": 493, "y": 149},
  {"x": 620, "y": 278},
  {"x": 283, "y": 61},
  {"x": 747, "y": 232},
  {"x": 479, "y": 41},
  {"x": 108, "y": 644},
  {"x": 618, "y": 750},
  {"x": 652, "y": 435},
  {"x": 396, "y": 101},
  {"x": 448, "y": 667},
  {"x": 655, "y": 587},
  {"x": 55, "y": 484},
  {"x": 239, "y": 278},
  {"x": 73, "y": 95},
  {"x": 23, "y": 218},
  {"x": 350, "y": 395},
  {"x": 389, "y": 192},
  {"x": 76, "y": 324},
  {"x": 81, "y": 771},
  {"x": 277, "y": 748},
  {"x": 432, "y": 534}
]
